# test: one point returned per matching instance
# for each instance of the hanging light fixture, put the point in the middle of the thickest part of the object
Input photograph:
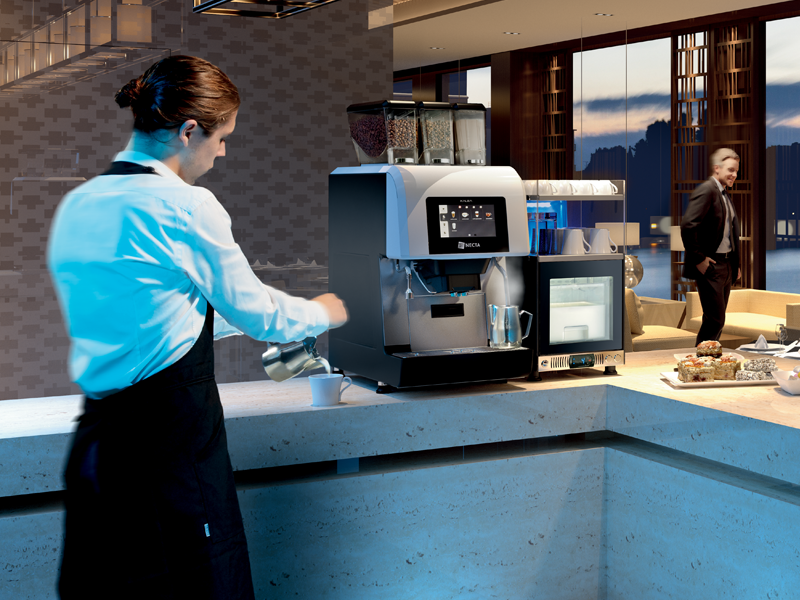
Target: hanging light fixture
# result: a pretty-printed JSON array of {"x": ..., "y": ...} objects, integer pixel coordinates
[
  {"x": 81, "y": 43},
  {"x": 279, "y": 9}
]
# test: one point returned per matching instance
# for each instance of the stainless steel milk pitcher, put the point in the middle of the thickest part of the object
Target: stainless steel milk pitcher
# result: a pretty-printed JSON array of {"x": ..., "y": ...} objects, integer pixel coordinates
[
  {"x": 282, "y": 362},
  {"x": 505, "y": 329}
]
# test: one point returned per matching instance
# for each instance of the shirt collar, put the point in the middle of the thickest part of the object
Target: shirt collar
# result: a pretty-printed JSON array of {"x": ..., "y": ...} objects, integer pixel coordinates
[
  {"x": 141, "y": 158},
  {"x": 719, "y": 185}
]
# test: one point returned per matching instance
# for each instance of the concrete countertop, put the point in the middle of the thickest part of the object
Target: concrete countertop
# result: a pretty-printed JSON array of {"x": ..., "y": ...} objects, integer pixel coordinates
[{"x": 271, "y": 424}]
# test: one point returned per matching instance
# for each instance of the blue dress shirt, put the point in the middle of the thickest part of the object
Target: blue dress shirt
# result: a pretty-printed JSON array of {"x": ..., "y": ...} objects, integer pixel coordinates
[{"x": 135, "y": 259}]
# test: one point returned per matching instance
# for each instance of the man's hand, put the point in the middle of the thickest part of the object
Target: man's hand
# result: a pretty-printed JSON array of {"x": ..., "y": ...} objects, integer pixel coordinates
[
  {"x": 703, "y": 266},
  {"x": 337, "y": 313}
]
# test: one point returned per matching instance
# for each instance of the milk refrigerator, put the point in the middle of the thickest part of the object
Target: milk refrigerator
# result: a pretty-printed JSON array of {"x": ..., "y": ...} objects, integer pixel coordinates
[{"x": 578, "y": 300}]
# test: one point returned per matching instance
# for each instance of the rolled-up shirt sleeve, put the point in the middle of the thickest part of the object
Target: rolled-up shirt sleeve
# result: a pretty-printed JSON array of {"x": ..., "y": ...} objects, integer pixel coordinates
[{"x": 216, "y": 265}]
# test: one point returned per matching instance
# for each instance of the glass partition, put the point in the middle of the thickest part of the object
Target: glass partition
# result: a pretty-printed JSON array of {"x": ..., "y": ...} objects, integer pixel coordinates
[
  {"x": 783, "y": 155},
  {"x": 621, "y": 116}
]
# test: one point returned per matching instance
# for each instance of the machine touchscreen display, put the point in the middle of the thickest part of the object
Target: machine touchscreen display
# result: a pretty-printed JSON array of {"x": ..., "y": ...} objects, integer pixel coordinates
[
  {"x": 467, "y": 224},
  {"x": 467, "y": 220}
]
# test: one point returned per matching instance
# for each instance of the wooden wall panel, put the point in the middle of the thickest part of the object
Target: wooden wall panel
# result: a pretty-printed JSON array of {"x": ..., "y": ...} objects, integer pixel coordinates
[
  {"x": 532, "y": 113},
  {"x": 736, "y": 107},
  {"x": 718, "y": 89},
  {"x": 689, "y": 133}
]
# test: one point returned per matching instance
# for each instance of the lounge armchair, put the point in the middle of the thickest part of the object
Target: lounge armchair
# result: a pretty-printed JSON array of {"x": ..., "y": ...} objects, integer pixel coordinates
[
  {"x": 640, "y": 335},
  {"x": 750, "y": 313}
]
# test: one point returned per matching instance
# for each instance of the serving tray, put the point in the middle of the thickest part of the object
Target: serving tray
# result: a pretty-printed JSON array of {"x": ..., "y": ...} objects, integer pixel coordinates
[{"x": 672, "y": 379}]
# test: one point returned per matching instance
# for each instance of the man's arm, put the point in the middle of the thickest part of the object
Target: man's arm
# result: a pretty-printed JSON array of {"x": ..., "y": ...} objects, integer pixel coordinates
[{"x": 700, "y": 202}]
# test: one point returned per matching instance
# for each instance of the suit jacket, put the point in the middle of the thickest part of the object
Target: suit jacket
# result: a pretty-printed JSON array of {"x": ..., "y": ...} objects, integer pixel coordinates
[{"x": 703, "y": 226}]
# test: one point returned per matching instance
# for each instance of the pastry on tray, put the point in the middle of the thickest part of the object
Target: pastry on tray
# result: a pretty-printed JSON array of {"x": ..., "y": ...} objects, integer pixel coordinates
[
  {"x": 710, "y": 348},
  {"x": 765, "y": 365},
  {"x": 695, "y": 370},
  {"x": 752, "y": 376},
  {"x": 726, "y": 367}
]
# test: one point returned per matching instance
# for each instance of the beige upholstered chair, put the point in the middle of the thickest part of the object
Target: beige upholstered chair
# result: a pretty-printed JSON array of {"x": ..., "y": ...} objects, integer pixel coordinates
[
  {"x": 750, "y": 313},
  {"x": 640, "y": 336}
]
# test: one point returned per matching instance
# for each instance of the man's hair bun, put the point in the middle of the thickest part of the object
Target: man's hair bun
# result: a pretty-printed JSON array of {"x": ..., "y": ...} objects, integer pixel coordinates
[{"x": 129, "y": 94}]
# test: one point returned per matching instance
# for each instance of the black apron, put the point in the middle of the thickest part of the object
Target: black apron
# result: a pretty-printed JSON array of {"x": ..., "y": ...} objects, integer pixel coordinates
[{"x": 151, "y": 506}]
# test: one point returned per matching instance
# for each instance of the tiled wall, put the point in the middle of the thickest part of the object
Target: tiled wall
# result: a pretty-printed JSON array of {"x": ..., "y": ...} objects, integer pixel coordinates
[{"x": 296, "y": 77}]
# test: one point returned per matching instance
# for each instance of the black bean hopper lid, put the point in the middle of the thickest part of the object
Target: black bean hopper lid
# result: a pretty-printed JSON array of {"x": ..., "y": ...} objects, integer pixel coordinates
[
  {"x": 467, "y": 106},
  {"x": 381, "y": 104},
  {"x": 433, "y": 105}
]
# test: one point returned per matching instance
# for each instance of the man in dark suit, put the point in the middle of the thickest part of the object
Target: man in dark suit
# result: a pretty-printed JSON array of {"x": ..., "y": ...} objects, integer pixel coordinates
[{"x": 710, "y": 234}]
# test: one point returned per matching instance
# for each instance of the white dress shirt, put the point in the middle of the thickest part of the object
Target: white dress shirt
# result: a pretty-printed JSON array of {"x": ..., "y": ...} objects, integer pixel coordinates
[
  {"x": 725, "y": 245},
  {"x": 134, "y": 260}
]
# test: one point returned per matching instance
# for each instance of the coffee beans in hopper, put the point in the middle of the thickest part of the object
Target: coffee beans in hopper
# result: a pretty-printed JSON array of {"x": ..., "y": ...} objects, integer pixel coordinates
[
  {"x": 369, "y": 132},
  {"x": 402, "y": 133},
  {"x": 438, "y": 134}
]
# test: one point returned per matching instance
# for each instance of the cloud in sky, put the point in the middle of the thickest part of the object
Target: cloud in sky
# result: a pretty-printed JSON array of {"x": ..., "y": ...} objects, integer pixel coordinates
[
  {"x": 783, "y": 48},
  {"x": 608, "y": 116},
  {"x": 640, "y": 69},
  {"x": 785, "y": 122},
  {"x": 783, "y": 105}
]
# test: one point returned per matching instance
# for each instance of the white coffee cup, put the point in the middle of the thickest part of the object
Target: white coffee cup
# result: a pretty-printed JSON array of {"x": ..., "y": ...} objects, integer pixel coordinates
[
  {"x": 601, "y": 242},
  {"x": 574, "y": 242},
  {"x": 530, "y": 187},
  {"x": 583, "y": 188},
  {"x": 326, "y": 389},
  {"x": 563, "y": 187},
  {"x": 546, "y": 188},
  {"x": 605, "y": 187}
]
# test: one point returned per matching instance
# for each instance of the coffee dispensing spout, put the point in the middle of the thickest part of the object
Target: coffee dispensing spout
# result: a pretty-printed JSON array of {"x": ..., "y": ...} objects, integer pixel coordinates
[{"x": 409, "y": 293}]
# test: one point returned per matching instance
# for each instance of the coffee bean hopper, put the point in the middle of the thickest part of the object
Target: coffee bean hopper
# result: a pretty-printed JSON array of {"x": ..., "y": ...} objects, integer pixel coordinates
[{"x": 384, "y": 132}]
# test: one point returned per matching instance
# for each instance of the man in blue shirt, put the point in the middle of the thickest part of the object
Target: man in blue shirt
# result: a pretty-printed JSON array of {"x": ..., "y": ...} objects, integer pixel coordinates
[{"x": 148, "y": 274}]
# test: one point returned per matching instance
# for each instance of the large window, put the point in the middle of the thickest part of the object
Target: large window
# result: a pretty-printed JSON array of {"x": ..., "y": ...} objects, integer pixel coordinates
[
  {"x": 621, "y": 105},
  {"x": 783, "y": 155}
]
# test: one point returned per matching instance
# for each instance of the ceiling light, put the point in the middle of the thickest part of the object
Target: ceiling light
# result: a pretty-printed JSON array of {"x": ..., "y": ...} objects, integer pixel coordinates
[
  {"x": 510, "y": 33},
  {"x": 281, "y": 9},
  {"x": 437, "y": 48},
  {"x": 603, "y": 15}
]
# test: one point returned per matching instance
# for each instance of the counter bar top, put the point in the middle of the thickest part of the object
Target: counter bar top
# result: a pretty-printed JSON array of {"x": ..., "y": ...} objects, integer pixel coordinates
[{"x": 273, "y": 424}]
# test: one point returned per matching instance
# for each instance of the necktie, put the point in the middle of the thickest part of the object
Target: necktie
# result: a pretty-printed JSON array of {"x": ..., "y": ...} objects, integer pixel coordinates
[{"x": 728, "y": 206}]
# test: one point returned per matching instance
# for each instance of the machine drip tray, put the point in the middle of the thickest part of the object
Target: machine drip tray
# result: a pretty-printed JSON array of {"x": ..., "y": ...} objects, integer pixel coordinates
[{"x": 478, "y": 350}]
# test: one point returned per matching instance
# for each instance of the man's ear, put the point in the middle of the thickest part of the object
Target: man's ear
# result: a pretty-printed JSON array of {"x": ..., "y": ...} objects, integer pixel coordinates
[{"x": 186, "y": 131}]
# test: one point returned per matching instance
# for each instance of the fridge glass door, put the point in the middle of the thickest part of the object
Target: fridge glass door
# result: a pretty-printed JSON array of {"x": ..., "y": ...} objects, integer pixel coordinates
[{"x": 580, "y": 310}]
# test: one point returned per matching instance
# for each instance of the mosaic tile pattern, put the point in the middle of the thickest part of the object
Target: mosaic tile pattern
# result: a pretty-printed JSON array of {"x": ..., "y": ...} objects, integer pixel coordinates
[{"x": 296, "y": 78}]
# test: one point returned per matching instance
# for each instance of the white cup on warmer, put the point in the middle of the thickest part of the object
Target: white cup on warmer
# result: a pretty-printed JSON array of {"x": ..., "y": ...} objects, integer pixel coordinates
[
  {"x": 326, "y": 389},
  {"x": 563, "y": 187},
  {"x": 573, "y": 242},
  {"x": 583, "y": 188},
  {"x": 546, "y": 188},
  {"x": 606, "y": 188},
  {"x": 601, "y": 242},
  {"x": 530, "y": 187}
]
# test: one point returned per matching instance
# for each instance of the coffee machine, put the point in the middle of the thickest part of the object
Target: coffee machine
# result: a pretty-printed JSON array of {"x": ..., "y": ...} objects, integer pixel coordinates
[{"x": 417, "y": 254}]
